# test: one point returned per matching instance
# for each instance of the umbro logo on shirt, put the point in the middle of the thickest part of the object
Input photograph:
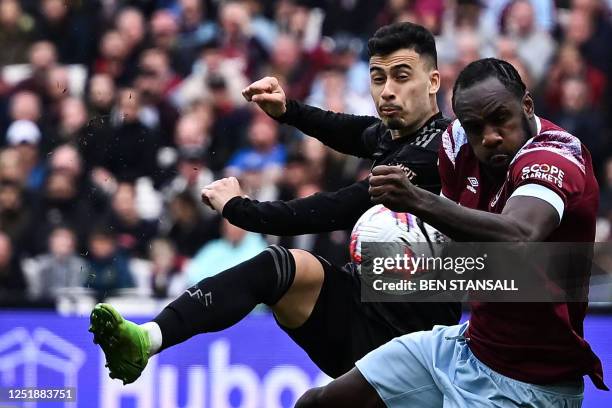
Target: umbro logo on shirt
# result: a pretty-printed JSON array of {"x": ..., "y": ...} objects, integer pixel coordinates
[{"x": 473, "y": 184}]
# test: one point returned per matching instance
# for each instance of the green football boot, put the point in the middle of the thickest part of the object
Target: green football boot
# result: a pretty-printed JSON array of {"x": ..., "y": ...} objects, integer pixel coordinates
[{"x": 125, "y": 344}]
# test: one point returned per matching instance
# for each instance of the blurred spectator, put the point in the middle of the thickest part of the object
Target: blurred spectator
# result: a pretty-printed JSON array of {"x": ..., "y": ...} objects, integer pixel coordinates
[
  {"x": 235, "y": 246},
  {"x": 466, "y": 18},
  {"x": 544, "y": 11},
  {"x": 72, "y": 127},
  {"x": 11, "y": 167},
  {"x": 73, "y": 120},
  {"x": 101, "y": 95},
  {"x": 237, "y": 42},
  {"x": 71, "y": 31},
  {"x": 131, "y": 151},
  {"x": 133, "y": 233},
  {"x": 425, "y": 12},
  {"x": 196, "y": 29},
  {"x": 25, "y": 105},
  {"x": 94, "y": 138},
  {"x": 60, "y": 203},
  {"x": 293, "y": 68},
  {"x": 164, "y": 31},
  {"x": 589, "y": 28},
  {"x": 449, "y": 72},
  {"x": 468, "y": 47},
  {"x": 361, "y": 15},
  {"x": 16, "y": 33},
  {"x": 189, "y": 229},
  {"x": 131, "y": 27},
  {"x": 295, "y": 176},
  {"x": 192, "y": 175},
  {"x": 570, "y": 63},
  {"x": 534, "y": 46},
  {"x": 42, "y": 56},
  {"x": 265, "y": 152},
  {"x": 154, "y": 82},
  {"x": 57, "y": 90},
  {"x": 190, "y": 134},
  {"x": 578, "y": 117},
  {"x": 107, "y": 267},
  {"x": 166, "y": 277},
  {"x": 345, "y": 54},
  {"x": 112, "y": 57},
  {"x": 191, "y": 140},
  {"x": 57, "y": 86},
  {"x": 61, "y": 267},
  {"x": 12, "y": 281},
  {"x": 263, "y": 29},
  {"x": 66, "y": 158},
  {"x": 15, "y": 213},
  {"x": 335, "y": 95},
  {"x": 211, "y": 63},
  {"x": 25, "y": 136},
  {"x": 228, "y": 129}
]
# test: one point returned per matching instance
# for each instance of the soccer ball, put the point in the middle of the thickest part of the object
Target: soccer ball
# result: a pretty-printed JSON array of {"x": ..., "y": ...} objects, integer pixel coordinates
[{"x": 380, "y": 224}]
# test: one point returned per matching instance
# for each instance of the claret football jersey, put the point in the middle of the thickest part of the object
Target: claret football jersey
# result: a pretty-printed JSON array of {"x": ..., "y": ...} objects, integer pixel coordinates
[{"x": 540, "y": 343}]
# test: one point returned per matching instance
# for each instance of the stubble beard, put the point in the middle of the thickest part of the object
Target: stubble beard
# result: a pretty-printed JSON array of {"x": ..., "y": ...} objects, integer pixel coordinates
[{"x": 396, "y": 124}]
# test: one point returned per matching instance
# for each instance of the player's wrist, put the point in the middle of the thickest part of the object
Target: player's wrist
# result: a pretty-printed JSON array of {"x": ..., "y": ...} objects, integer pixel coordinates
[
  {"x": 422, "y": 201},
  {"x": 229, "y": 206}
]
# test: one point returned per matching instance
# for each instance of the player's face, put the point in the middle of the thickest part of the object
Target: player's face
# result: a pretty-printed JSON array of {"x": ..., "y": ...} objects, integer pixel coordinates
[
  {"x": 495, "y": 120},
  {"x": 403, "y": 86}
]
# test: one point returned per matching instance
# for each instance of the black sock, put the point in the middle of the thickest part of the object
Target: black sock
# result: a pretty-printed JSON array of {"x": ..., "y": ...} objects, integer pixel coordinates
[{"x": 221, "y": 301}]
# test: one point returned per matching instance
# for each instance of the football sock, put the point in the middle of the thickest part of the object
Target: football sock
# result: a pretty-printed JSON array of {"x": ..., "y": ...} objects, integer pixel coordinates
[
  {"x": 155, "y": 336},
  {"x": 220, "y": 301}
]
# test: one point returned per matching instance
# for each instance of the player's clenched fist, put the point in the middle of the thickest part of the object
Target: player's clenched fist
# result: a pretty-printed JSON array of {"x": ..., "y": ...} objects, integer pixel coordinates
[
  {"x": 268, "y": 94},
  {"x": 391, "y": 186},
  {"x": 219, "y": 192}
]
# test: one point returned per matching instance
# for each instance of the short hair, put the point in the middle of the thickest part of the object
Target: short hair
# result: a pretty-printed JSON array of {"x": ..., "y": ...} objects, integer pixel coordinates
[
  {"x": 393, "y": 37},
  {"x": 485, "y": 68}
]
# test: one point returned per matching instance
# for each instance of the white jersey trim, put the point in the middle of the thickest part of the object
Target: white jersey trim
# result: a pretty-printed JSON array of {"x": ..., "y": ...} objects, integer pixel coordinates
[
  {"x": 543, "y": 193},
  {"x": 453, "y": 140}
]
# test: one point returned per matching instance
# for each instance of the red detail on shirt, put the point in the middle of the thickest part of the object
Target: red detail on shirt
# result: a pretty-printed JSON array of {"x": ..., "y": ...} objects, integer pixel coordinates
[{"x": 539, "y": 343}]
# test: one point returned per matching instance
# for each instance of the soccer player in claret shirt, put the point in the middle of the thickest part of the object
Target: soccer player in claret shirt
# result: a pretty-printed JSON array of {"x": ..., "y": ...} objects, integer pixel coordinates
[
  {"x": 316, "y": 303},
  {"x": 492, "y": 167}
]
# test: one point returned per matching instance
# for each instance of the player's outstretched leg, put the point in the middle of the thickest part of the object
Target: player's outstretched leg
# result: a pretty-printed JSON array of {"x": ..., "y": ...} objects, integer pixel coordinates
[
  {"x": 213, "y": 304},
  {"x": 126, "y": 345}
]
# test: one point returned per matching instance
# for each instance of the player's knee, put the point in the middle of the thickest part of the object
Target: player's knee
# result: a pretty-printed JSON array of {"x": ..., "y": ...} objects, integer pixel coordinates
[
  {"x": 314, "y": 397},
  {"x": 308, "y": 268}
]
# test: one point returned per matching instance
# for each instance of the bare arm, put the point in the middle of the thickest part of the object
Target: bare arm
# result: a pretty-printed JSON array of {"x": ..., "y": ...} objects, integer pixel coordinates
[{"x": 523, "y": 219}]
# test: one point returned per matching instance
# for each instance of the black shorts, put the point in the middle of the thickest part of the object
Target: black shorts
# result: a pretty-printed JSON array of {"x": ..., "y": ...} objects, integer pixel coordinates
[{"x": 341, "y": 328}]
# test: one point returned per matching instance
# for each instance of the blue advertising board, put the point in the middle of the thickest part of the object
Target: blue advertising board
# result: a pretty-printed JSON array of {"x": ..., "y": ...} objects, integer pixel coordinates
[{"x": 251, "y": 365}]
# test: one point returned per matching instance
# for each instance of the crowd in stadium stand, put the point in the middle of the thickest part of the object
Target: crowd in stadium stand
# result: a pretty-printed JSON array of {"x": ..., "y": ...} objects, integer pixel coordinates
[{"x": 115, "y": 113}]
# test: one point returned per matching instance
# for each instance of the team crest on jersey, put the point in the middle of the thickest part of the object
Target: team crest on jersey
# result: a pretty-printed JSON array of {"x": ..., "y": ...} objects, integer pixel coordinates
[{"x": 543, "y": 171}]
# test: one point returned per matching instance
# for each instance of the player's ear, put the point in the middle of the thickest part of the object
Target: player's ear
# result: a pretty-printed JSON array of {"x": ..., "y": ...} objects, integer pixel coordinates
[
  {"x": 528, "y": 105},
  {"x": 434, "y": 81}
]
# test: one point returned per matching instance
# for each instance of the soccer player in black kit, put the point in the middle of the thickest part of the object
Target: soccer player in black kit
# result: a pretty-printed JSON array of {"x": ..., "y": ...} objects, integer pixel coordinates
[{"x": 316, "y": 303}]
